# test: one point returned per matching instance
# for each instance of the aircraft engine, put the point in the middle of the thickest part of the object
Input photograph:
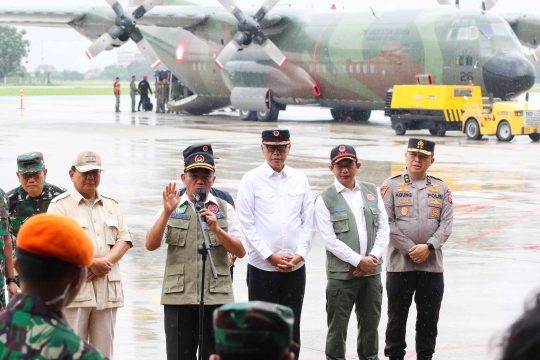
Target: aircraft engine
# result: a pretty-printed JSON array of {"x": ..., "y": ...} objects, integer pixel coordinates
[
  {"x": 249, "y": 31},
  {"x": 125, "y": 28},
  {"x": 252, "y": 99}
]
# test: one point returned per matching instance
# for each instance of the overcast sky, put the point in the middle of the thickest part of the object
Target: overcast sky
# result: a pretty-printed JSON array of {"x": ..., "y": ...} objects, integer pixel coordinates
[{"x": 64, "y": 48}]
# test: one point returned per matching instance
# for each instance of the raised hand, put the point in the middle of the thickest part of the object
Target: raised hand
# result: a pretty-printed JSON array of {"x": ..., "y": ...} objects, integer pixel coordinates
[{"x": 170, "y": 199}]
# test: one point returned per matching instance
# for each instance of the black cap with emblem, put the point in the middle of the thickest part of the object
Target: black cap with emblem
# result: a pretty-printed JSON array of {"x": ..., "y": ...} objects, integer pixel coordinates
[
  {"x": 276, "y": 137},
  {"x": 341, "y": 152},
  {"x": 199, "y": 160},
  {"x": 421, "y": 146},
  {"x": 204, "y": 148}
]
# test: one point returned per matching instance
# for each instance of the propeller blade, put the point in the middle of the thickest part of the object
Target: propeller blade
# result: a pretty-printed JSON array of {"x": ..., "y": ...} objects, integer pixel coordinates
[
  {"x": 148, "y": 52},
  {"x": 265, "y": 8},
  {"x": 273, "y": 51},
  {"x": 231, "y": 7},
  {"x": 444, "y": 2},
  {"x": 145, "y": 7},
  {"x": 490, "y": 4},
  {"x": 117, "y": 7},
  {"x": 104, "y": 41},
  {"x": 227, "y": 53},
  {"x": 536, "y": 54}
]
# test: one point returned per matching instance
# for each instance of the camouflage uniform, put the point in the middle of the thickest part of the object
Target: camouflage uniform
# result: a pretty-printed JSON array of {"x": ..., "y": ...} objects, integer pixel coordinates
[
  {"x": 4, "y": 226},
  {"x": 159, "y": 96},
  {"x": 32, "y": 329},
  {"x": 22, "y": 206},
  {"x": 166, "y": 89}
]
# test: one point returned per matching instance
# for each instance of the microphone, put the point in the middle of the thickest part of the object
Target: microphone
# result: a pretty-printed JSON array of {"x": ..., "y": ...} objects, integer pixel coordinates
[{"x": 200, "y": 197}]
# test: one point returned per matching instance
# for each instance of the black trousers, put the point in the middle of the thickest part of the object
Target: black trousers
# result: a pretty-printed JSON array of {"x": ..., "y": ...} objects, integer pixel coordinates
[
  {"x": 428, "y": 289},
  {"x": 142, "y": 101},
  {"x": 284, "y": 288},
  {"x": 182, "y": 331}
]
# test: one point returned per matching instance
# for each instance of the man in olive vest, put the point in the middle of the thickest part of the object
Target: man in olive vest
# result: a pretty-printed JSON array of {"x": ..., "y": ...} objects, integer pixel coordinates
[
  {"x": 354, "y": 229},
  {"x": 177, "y": 225}
]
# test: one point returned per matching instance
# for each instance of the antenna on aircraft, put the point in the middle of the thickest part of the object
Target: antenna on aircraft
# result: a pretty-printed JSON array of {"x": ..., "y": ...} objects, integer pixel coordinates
[
  {"x": 483, "y": 6},
  {"x": 124, "y": 28},
  {"x": 457, "y": 2},
  {"x": 373, "y": 12},
  {"x": 249, "y": 30}
]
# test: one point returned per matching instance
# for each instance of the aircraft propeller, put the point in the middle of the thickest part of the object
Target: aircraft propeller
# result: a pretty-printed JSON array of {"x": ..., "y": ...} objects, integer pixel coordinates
[
  {"x": 249, "y": 30},
  {"x": 125, "y": 27}
]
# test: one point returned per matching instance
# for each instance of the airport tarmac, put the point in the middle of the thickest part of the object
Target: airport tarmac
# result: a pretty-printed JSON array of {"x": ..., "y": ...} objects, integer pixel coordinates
[{"x": 491, "y": 260}]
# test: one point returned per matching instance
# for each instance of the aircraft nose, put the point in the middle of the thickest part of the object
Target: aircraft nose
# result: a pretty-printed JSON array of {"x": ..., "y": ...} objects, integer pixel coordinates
[{"x": 507, "y": 75}]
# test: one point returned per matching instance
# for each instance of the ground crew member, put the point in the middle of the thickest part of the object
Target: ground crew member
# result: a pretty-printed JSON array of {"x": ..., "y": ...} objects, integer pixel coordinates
[
  {"x": 175, "y": 91},
  {"x": 6, "y": 253},
  {"x": 166, "y": 89},
  {"x": 253, "y": 330},
  {"x": 53, "y": 255},
  {"x": 420, "y": 213},
  {"x": 93, "y": 312},
  {"x": 32, "y": 196},
  {"x": 176, "y": 224},
  {"x": 132, "y": 92},
  {"x": 144, "y": 88},
  {"x": 116, "y": 87},
  {"x": 276, "y": 212},
  {"x": 159, "y": 96},
  {"x": 354, "y": 229}
]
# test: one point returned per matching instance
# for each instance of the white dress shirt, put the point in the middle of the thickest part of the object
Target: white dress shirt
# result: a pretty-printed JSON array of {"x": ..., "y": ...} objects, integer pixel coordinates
[
  {"x": 356, "y": 203},
  {"x": 276, "y": 214},
  {"x": 233, "y": 224}
]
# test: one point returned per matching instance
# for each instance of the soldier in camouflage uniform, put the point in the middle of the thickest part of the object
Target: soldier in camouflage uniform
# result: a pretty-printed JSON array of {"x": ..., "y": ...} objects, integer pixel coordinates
[
  {"x": 34, "y": 194},
  {"x": 6, "y": 253},
  {"x": 159, "y": 96},
  {"x": 166, "y": 90},
  {"x": 33, "y": 326},
  {"x": 253, "y": 330}
]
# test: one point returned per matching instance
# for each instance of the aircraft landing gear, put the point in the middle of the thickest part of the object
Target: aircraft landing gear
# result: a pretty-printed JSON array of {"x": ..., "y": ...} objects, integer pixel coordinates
[
  {"x": 247, "y": 115},
  {"x": 350, "y": 115}
]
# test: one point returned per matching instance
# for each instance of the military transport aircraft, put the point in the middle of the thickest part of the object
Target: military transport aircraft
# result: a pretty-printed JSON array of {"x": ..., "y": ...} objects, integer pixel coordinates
[{"x": 346, "y": 60}]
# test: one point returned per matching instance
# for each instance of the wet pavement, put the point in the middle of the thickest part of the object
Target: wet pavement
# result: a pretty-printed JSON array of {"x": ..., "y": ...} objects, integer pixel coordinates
[{"x": 491, "y": 260}]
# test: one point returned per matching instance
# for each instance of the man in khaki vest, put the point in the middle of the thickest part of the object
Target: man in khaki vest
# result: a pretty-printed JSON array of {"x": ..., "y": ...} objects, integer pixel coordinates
[
  {"x": 177, "y": 225},
  {"x": 353, "y": 224}
]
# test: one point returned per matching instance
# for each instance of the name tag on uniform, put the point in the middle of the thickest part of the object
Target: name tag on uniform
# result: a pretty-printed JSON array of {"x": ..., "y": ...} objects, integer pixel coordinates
[
  {"x": 180, "y": 216},
  {"x": 333, "y": 210},
  {"x": 219, "y": 215}
]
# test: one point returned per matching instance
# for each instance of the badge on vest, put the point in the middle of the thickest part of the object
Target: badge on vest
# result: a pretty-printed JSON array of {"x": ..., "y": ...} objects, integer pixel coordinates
[
  {"x": 372, "y": 199},
  {"x": 180, "y": 216},
  {"x": 181, "y": 209},
  {"x": 213, "y": 208},
  {"x": 333, "y": 210},
  {"x": 219, "y": 216}
]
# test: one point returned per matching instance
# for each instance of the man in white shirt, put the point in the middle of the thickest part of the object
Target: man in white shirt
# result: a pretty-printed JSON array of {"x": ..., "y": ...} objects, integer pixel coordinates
[
  {"x": 275, "y": 210},
  {"x": 353, "y": 224}
]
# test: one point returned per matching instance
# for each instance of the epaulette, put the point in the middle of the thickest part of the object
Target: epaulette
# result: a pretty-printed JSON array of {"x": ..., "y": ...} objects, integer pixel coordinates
[
  {"x": 436, "y": 178},
  {"x": 61, "y": 196},
  {"x": 109, "y": 197},
  {"x": 395, "y": 176}
]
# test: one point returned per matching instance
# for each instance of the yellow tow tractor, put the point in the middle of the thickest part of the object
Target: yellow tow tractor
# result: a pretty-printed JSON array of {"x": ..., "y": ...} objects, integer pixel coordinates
[{"x": 502, "y": 118}]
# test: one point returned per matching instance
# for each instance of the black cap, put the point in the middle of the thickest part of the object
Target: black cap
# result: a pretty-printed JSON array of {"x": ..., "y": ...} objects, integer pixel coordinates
[
  {"x": 341, "y": 152},
  {"x": 276, "y": 136},
  {"x": 199, "y": 160},
  {"x": 425, "y": 147},
  {"x": 204, "y": 148}
]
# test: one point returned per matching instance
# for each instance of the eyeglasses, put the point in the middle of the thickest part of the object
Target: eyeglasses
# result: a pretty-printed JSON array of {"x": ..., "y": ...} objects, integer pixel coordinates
[
  {"x": 33, "y": 175},
  {"x": 93, "y": 173},
  {"x": 273, "y": 148},
  {"x": 203, "y": 177},
  {"x": 345, "y": 165}
]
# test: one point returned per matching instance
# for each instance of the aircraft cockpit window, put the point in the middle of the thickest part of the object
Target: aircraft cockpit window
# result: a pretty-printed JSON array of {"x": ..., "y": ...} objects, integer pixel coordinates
[
  {"x": 462, "y": 92},
  {"x": 473, "y": 33},
  {"x": 452, "y": 34},
  {"x": 486, "y": 30},
  {"x": 499, "y": 29},
  {"x": 463, "y": 33}
]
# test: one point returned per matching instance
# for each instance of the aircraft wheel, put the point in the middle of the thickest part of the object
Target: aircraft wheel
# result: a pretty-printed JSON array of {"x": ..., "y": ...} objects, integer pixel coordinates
[
  {"x": 534, "y": 137},
  {"x": 440, "y": 129},
  {"x": 504, "y": 132},
  {"x": 432, "y": 131},
  {"x": 472, "y": 130},
  {"x": 360, "y": 115},
  {"x": 247, "y": 115},
  {"x": 400, "y": 128},
  {"x": 271, "y": 115},
  {"x": 337, "y": 114}
]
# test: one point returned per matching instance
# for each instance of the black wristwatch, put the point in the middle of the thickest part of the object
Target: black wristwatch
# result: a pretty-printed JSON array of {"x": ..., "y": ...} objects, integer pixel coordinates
[
  {"x": 430, "y": 247},
  {"x": 10, "y": 280}
]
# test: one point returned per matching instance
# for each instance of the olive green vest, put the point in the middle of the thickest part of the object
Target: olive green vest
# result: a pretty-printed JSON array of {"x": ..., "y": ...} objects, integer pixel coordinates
[
  {"x": 345, "y": 228},
  {"x": 182, "y": 279}
]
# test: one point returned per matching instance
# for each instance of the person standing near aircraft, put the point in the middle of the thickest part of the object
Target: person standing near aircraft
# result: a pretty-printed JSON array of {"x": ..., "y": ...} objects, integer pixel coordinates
[
  {"x": 32, "y": 196},
  {"x": 276, "y": 212},
  {"x": 354, "y": 229},
  {"x": 144, "y": 88},
  {"x": 133, "y": 92},
  {"x": 6, "y": 253},
  {"x": 93, "y": 312},
  {"x": 117, "y": 92},
  {"x": 420, "y": 215},
  {"x": 176, "y": 224}
]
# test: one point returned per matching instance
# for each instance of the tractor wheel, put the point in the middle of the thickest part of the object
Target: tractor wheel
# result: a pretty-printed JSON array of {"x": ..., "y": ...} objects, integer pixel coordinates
[
  {"x": 440, "y": 129},
  {"x": 504, "y": 132},
  {"x": 472, "y": 130},
  {"x": 534, "y": 137},
  {"x": 400, "y": 128}
]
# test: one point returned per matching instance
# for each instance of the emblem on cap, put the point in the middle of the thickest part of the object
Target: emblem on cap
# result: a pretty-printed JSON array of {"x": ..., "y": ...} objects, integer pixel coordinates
[
  {"x": 420, "y": 144},
  {"x": 90, "y": 158},
  {"x": 342, "y": 148},
  {"x": 205, "y": 148},
  {"x": 213, "y": 208},
  {"x": 276, "y": 133},
  {"x": 199, "y": 158}
]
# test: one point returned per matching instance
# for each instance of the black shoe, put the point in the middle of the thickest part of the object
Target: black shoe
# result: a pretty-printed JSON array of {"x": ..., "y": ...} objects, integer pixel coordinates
[
  {"x": 424, "y": 358},
  {"x": 396, "y": 358}
]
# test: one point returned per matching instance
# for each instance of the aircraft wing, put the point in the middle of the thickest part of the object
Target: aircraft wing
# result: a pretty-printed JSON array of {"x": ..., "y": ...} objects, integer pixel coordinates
[
  {"x": 527, "y": 29},
  {"x": 53, "y": 17}
]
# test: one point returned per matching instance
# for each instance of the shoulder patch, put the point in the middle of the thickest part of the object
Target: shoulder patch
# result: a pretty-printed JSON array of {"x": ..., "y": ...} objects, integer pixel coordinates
[
  {"x": 61, "y": 196},
  {"x": 383, "y": 190},
  {"x": 219, "y": 216},
  {"x": 109, "y": 197},
  {"x": 180, "y": 216}
]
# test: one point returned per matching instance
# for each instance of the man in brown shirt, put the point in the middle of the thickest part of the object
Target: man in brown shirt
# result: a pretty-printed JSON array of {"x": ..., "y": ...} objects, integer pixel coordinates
[
  {"x": 93, "y": 312},
  {"x": 420, "y": 214}
]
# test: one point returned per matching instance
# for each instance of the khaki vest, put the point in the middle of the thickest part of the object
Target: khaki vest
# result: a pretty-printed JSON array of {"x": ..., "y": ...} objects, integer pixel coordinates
[
  {"x": 345, "y": 228},
  {"x": 182, "y": 279}
]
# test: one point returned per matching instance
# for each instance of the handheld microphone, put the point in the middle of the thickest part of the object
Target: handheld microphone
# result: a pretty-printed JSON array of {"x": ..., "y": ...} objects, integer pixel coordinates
[{"x": 200, "y": 197}]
